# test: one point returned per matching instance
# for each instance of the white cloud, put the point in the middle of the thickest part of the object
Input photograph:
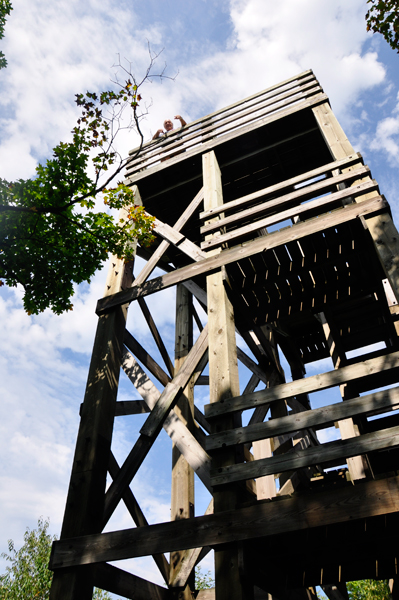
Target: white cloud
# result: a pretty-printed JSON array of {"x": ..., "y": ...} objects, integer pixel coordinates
[
  {"x": 386, "y": 139},
  {"x": 55, "y": 50}
]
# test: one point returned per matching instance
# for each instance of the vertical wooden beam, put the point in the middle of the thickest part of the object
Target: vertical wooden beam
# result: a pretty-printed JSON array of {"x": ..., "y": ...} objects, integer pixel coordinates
[
  {"x": 182, "y": 503},
  {"x": 85, "y": 501},
  {"x": 223, "y": 384},
  {"x": 382, "y": 229},
  {"x": 357, "y": 465}
]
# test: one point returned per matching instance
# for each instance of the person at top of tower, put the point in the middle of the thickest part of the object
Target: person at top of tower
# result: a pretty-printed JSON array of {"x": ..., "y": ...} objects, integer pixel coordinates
[{"x": 168, "y": 126}]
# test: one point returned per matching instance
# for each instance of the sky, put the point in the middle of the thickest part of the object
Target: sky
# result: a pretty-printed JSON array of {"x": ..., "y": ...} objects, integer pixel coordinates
[{"x": 215, "y": 53}]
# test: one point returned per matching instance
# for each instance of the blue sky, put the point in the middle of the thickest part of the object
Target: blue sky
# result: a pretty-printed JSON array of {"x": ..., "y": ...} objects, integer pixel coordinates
[{"x": 222, "y": 52}]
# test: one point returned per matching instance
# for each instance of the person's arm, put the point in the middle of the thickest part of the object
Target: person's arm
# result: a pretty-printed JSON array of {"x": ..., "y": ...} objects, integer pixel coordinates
[
  {"x": 182, "y": 121},
  {"x": 157, "y": 134}
]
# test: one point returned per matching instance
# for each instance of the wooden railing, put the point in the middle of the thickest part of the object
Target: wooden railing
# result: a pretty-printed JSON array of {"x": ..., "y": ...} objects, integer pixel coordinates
[
  {"x": 227, "y": 122},
  {"x": 310, "y": 194},
  {"x": 330, "y": 453}
]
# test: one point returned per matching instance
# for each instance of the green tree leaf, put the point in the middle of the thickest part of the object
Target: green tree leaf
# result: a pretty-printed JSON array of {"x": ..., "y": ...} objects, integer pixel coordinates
[
  {"x": 383, "y": 17},
  {"x": 368, "y": 589},
  {"x": 51, "y": 236},
  {"x": 27, "y": 576},
  {"x": 5, "y": 10}
]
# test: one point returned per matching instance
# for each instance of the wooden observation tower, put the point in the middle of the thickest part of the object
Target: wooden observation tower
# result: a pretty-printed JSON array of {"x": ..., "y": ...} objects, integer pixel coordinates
[{"x": 268, "y": 221}]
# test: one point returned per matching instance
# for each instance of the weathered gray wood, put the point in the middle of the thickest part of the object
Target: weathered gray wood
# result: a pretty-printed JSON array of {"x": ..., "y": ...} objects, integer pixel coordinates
[
  {"x": 172, "y": 236},
  {"x": 177, "y": 384},
  {"x": 381, "y": 227},
  {"x": 130, "y": 407},
  {"x": 189, "y": 560},
  {"x": 206, "y": 594},
  {"x": 115, "y": 580},
  {"x": 357, "y": 465},
  {"x": 306, "y": 386},
  {"x": 320, "y": 203},
  {"x": 182, "y": 488},
  {"x": 159, "y": 252},
  {"x": 364, "y": 500},
  {"x": 298, "y": 459},
  {"x": 305, "y": 76},
  {"x": 85, "y": 501},
  {"x": 251, "y": 365},
  {"x": 173, "y": 425},
  {"x": 295, "y": 197},
  {"x": 256, "y": 246},
  {"x": 280, "y": 187},
  {"x": 160, "y": 374},
  {"x": 215, "y": 124},
  {"x": 317, "y": 418},
  {"x": 138, "y": 517},
  {"x": 137, "y": 349},
  {"x": 213, "y": 142},
  {"x": 156, "y": 335},
  {"x": 223, "y": 383},
  {"x": 153, "y": 425},
  {"x": 270, "y": 109}
]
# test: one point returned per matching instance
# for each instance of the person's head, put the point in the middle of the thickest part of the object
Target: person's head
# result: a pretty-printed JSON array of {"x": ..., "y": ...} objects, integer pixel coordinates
[{"x": 168, "y": 125}]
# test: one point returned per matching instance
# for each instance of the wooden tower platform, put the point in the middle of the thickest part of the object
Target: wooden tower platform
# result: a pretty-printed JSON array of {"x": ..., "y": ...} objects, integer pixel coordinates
[{"x": 267, "y": 218}]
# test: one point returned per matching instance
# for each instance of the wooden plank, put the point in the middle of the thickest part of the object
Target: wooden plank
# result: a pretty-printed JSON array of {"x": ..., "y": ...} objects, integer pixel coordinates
[
  {"x": 156, "y": 335},
  {"x": 221, "y": 114},
  {"x": 382, "y": 228},
  {"x": 159, "y": 252},
  {"x": 279, "y": 187},
  {"x": 295, "y": 197},
  {"x": 217, "y": 126},
  {"x": 177, "y": 384},
  {"x": 115, "y": 580},
  {"x": 320, "y": 203},
  {"x": 307, "y": 385},
  {"x": 173, "y": 425},
  {"x": 231, "y": 255},
  {"x": 251, "y": 365},
  {"x": 317, "y": 418},
  {"x": 130, "y": 407},
  {"x": 138, "y": 516},
  {"x": 357, "y": 465},
  {"x": 206, "y": 594},
  {"x": 137, "y": 349},
  {"x": 298, "y": 459},
  {"x": 189, "y": 560},
  {"x": 84, "y": 506},
  {"x": 223, "y": 383},
  {"x": 153, "y": 425},
  {"x": 174, "y": 237},
  {"x": 159, "y": 373},
  {"x": 182, "y": 488},
  {"x": 263, "y": 519},
  {"x": 296, "y": 80}
]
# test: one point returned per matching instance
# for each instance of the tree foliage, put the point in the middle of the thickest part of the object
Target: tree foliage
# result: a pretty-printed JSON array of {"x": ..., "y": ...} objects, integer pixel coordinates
[
  {"x": 383, "y": 17},
  {"x": 5, "y": 10},
  {"x": 27, "y": 576},
  {"x": 368, "y": 589},
  {"x": 52, "y": 234},
  {"x": 203, "y": 581}
]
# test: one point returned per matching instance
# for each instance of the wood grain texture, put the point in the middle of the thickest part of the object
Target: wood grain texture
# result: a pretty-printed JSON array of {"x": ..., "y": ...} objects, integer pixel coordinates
[
  {"x": 307, "y": 385},
  {"x": 256, "y": 246},
  {"x": 284, "y": 515}
]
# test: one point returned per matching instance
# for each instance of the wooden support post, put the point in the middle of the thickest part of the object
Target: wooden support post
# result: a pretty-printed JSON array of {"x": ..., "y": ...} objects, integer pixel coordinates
[
  {"x": 357, "y": 465},
  {"x": 85, "y": 502},
  {"x": 223, "y": 384},
  {"x": 381, "y": 227},
  {"x": 182, "y": 503}
]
